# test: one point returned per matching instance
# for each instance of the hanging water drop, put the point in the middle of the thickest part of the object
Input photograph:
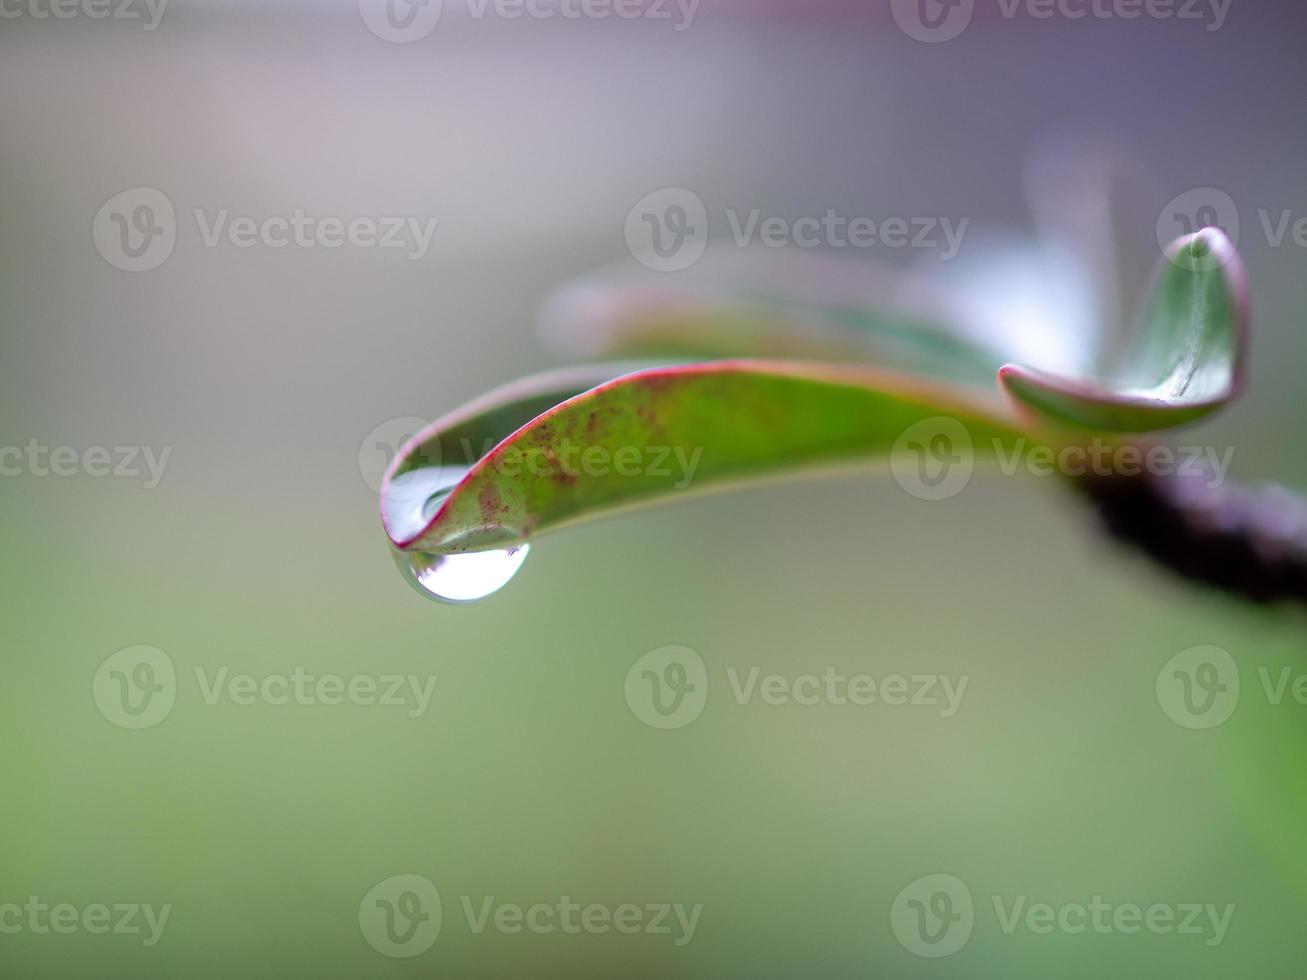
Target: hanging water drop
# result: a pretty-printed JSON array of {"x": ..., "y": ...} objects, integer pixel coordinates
[
  {"x": 460, "y": 578},
  {"x": 411, "y": 499},
  {"x": 411, "y": 502}
]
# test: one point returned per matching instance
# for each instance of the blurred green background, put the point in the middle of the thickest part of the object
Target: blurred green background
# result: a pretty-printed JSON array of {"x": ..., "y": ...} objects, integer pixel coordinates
[{"x": 529, "y": 777}]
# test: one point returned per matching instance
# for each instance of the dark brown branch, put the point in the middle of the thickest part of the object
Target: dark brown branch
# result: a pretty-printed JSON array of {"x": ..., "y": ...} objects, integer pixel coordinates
[{"x": 1251, "y": 541}]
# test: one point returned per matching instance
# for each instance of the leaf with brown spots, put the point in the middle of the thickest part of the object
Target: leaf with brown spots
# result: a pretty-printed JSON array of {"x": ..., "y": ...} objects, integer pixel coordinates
[{"x": 566, "y": 450}]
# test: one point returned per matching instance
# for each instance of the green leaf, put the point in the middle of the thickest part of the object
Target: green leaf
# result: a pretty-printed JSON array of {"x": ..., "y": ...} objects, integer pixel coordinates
[
  {"x": 650, "y": 436},
  {"x": 764, "y": 303},
  {"x": 1186, "y": 362},
  {"x": 442, "y": 454},
  {"x": 567, "y": 446}
]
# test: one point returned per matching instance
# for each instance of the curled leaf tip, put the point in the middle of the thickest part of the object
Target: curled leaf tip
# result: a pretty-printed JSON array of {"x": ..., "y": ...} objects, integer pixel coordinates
[{"x": 1187, "y": 359}]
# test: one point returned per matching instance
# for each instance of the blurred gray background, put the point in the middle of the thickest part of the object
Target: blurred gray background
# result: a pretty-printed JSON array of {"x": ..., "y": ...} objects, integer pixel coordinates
[{"x": 529, "y": 777}]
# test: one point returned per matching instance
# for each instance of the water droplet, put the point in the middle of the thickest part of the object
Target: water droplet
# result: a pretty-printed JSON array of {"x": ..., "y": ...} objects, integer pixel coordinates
[
  {"x": 412, "y": 499},
  {"x": 460, "y": 578},
  {"x": 433, "y": 503},
  {"x": 409, "y": 505}
]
